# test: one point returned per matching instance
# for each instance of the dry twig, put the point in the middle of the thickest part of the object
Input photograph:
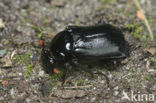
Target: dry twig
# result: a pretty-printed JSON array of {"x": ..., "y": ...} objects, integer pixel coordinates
[
  {"x": 74, "y": 87},
  {"x": 145, "y": 19}
]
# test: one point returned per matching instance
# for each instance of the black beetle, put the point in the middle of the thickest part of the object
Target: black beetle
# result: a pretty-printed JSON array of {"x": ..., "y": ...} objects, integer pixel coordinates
[{"x": 80, "y": 44}]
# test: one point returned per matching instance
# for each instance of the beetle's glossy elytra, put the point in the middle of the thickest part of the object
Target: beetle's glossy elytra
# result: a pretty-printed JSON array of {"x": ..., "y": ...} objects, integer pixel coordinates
[{"x": 84, "y": 44}]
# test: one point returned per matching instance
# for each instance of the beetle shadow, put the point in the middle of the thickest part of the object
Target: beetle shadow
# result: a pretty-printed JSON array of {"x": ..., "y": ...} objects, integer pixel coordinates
[{"x": 110, "y": 65}]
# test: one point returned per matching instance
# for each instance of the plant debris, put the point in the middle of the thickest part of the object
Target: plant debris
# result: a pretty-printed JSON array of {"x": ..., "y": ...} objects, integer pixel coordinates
[
  {"x": 69, "y": 93},
  {"x": 1, "y": 24}
]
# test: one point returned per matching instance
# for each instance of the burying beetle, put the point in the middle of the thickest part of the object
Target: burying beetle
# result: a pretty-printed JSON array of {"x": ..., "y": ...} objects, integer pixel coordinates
[{"x": 78, "y": 45}]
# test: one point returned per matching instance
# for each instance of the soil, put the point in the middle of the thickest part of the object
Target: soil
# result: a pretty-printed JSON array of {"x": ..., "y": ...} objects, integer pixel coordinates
[{"x": 24, "y": 22}]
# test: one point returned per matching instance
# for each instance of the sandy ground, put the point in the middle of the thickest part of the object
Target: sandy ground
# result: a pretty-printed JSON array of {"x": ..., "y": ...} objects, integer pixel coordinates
[{"x": 22, "y": 80}]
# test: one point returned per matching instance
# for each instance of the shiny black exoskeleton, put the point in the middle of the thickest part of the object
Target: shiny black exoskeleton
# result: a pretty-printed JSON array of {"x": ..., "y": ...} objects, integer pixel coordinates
[{"x": 77, "y": 44}]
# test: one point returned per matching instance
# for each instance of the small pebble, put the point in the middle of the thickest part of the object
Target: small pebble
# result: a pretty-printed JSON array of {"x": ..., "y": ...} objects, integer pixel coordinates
[
  {"x": 12, "y": 91},
  {"x": 102, "y": 81},
  {"x": 116, "y": 88},
  {"x": 108, "y": 88},
  {"x": 2, "y": 52},
  {"x": 20, "y": 74},
  {"x": 116, "y": 93},
  {"x": 41, "y": 73},
  {"x": 93, "y": 99},
  {"x": 1, "y": 23},
  {"x": 110, "y": 76}
]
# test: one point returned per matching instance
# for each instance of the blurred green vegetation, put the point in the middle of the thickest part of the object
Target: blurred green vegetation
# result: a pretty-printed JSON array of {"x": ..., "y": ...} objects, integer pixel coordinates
[{"x": 24, "y": 59}]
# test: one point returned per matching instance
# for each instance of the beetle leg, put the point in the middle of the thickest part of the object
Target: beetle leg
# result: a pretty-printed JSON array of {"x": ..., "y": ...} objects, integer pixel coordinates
[
  {"x": 65, "y": 72},
  {"x": 82, "y": 68},
  {"x": 64, "y": 78},
  {"x": 107, "y": 79},
  {"x": 86, "y": 69}
]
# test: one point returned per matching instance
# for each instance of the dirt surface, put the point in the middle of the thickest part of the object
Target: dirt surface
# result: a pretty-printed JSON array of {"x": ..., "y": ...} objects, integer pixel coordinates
[{"x": 24, "y": 22}]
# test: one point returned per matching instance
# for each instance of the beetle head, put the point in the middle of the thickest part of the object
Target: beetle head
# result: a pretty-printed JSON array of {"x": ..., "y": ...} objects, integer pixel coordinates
[{"x": 48, "y": 61}]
